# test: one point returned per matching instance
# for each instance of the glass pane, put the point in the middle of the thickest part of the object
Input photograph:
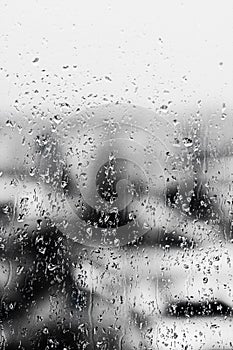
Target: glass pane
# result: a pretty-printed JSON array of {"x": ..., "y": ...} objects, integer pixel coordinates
[{"x": 116, "y": 175}]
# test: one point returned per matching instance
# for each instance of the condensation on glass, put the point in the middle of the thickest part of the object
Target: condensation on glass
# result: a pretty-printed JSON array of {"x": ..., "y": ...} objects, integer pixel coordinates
[{"x": 116, "y": 230}]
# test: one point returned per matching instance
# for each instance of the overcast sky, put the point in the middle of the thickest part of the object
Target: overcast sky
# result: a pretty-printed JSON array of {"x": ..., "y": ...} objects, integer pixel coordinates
[{"x": 89, "y": 52}]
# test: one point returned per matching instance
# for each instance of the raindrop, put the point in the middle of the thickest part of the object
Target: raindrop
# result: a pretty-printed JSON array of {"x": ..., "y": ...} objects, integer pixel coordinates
[
  {"x": 108, "y": 78},
  {"x": 20, "y": 218},
  {"x": 176, "y": 143},
  {"x": 146, "y": 225},
  {"x": 89, "y": 232},
  {"x": 57, "y": 119},
  {"x": 187, "y": 142},
  {"x": 36, "y": 59},
  {"x": 32, "y": 171},
  {"x": 39, "y": 222},
  {"x": 6, "y": 209},
  {"x": 224, "y": 115},
  {"x": 19, "y": 270},
  {"x": 130, "y": 216},
  {"x": 45, "y": 330}
]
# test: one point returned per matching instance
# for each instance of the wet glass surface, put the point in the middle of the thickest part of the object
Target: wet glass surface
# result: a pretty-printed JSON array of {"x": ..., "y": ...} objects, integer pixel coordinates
[
  {"x": 115, "y": 233},
  {"x": 116, "y": 175}
]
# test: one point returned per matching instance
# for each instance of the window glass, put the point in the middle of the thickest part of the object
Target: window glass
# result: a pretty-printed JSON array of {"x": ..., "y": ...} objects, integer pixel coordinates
[{"x": 116, "y": 175}]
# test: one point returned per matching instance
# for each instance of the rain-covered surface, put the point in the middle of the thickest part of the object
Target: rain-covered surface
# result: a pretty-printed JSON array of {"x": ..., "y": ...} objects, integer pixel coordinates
[
  {"x": 116, "y": 176},
  {"x": 116, "y": 231}
]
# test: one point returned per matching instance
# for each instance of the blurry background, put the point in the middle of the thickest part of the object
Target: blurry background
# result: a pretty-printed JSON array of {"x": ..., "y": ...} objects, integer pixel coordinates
[{"x": 58, "y": 58}]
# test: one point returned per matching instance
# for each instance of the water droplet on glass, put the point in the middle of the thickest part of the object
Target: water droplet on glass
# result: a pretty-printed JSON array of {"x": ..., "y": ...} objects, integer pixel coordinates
[
  {"x": 187, "y": 142},
  {"x": 176, "y": 143},
  {"x": 146, "y": 225},
  {"x": 32, "y": 171},
  {"x": 89, "y": 232},
  {"x": 36, "y": 59},
  {"x": 130, "y": 216}
]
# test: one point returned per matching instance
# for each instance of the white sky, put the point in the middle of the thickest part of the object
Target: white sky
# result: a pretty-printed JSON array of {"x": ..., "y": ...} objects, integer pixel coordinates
[{"x": 160, "y": 51}]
